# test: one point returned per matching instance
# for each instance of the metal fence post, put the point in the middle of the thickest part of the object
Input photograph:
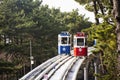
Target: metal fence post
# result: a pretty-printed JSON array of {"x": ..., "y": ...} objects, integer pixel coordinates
[
  {"x": 85, "y": 74},
  {"x": 95, "y": 65}
]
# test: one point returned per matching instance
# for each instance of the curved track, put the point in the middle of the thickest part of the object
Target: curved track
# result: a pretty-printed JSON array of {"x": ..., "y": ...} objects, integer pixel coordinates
[
  {"x": 35, "y": 72},
  {"x": 61, "y": 67}
]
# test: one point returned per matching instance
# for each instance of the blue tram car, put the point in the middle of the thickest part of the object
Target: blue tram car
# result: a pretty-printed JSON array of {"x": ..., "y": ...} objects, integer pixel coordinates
[{"x": 64, "y": 43}]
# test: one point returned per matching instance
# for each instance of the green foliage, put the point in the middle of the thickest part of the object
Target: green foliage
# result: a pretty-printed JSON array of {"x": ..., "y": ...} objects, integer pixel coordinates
[
  {"x": 89, "y": 7},
  {"x": 105, "y": 35},
  {"x": 25, "y": 20},
  {"x": 7, "y": 67},
  {"x": 106, "y": 44},
  {"x": 75, "y": 22},
  {"x": 83, "y": 1}
]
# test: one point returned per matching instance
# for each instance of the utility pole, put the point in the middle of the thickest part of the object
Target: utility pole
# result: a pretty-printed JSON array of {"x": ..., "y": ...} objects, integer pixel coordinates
[{"x": 31, "y": 57}]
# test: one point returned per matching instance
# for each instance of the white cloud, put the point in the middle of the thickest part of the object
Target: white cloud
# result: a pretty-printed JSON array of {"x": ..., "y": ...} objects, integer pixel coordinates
[{"x": 69, "y": 5}]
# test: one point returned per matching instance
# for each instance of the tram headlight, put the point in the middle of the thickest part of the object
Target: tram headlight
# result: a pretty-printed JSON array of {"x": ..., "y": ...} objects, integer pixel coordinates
[
  {"x": 80, "y": 49},
  {"x": 64, "y": 49}
]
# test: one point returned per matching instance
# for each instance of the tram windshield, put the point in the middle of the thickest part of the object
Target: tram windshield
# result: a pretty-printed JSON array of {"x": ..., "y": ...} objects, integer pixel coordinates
[
  {"x": 80, "y": 41},
  {"x": 64, "y": 40}
]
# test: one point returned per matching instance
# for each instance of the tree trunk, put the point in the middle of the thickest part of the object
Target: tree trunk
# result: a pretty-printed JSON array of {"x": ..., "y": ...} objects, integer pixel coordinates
[
  {"x": 95, "y": 11},
  {"x": 101, "y": 7},
  {"x": 116, "y": 13}
]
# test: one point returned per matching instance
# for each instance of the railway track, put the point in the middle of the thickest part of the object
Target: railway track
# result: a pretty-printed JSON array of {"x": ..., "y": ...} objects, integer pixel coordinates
[
  {"x": 72, "y": 72},
  {"x": 61, "y": 67},
  {"x": 62, "y": 70},
  {"x": 35, "y": 72},
  {"x": 48, "y": 69},
  {"x": 51, "y": 73}
]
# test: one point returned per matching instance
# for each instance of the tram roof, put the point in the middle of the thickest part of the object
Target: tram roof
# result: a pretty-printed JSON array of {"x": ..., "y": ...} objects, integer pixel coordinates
[
  {"x": 80, "y": 34},
  {"x": 64, "y": 34}
]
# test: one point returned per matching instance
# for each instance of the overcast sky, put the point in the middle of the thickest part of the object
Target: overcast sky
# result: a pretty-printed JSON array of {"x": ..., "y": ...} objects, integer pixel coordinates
[{"x": 69, "y": 5}]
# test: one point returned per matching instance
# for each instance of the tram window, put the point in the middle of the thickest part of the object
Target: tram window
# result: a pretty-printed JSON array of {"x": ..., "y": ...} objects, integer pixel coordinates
[
  {"x": 64, "y": 40},
  {"x": 80, "y": 42}
]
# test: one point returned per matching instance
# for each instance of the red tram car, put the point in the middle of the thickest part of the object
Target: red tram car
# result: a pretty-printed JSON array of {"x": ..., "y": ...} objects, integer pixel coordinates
[{"x": 80, "y": 47}]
